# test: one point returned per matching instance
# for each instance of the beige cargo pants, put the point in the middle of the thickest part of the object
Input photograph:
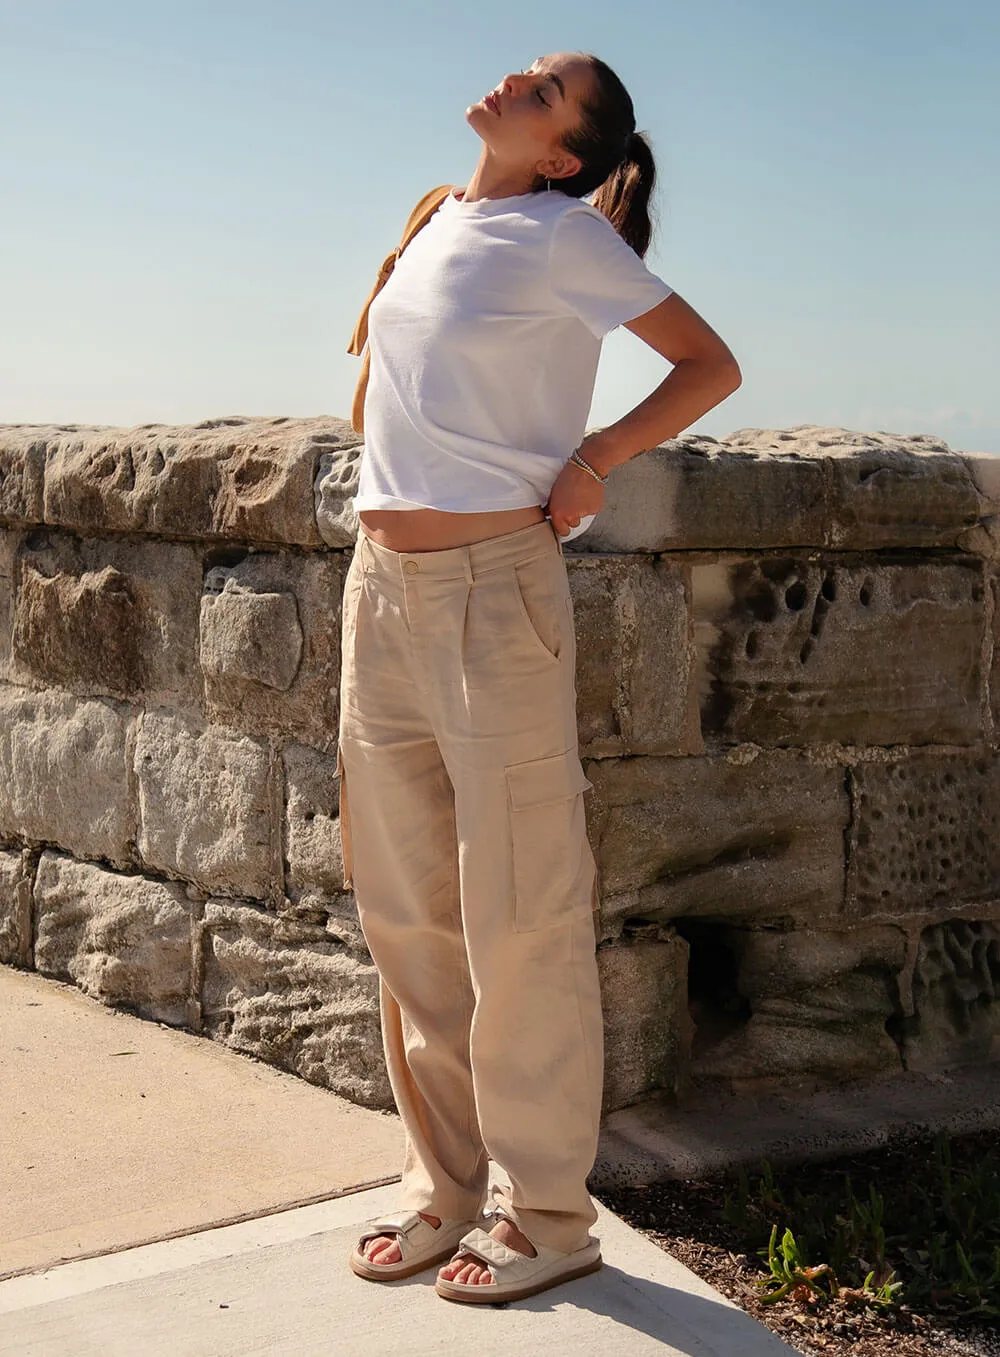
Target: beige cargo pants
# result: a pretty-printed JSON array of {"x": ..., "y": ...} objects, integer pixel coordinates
[{"x": 462, "y": 819}]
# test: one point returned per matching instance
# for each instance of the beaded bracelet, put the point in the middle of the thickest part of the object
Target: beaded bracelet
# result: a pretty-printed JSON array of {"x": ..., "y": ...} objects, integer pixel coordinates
[{"x": 577, "y": 460}]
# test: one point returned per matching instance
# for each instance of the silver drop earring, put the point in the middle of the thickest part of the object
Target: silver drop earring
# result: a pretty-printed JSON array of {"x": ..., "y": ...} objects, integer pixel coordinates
[{"x": 548, "y": 185}]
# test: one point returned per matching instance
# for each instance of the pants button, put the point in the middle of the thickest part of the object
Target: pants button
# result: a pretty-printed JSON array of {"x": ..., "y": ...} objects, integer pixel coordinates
[{"x": 412, "y": 567}]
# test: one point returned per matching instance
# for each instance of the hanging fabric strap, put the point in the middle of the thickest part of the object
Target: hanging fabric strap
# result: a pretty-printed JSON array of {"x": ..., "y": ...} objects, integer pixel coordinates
[{"x": 419, "y": 217}]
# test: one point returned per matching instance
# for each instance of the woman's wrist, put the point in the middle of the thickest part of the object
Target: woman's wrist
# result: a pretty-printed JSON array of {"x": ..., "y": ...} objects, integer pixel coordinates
[{"x": 601, "y": 452}]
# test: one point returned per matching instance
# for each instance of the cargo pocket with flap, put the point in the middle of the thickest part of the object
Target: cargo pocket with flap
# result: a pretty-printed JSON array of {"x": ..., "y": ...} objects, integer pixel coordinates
[{"x": 552, "y": 863}]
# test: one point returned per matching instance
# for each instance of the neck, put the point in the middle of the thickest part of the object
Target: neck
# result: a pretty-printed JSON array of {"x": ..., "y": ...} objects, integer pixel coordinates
[{"x": 493, "y": 180}]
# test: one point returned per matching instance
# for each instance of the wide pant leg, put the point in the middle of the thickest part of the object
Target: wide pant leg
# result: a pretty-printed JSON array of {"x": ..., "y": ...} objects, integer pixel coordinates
[
  {"x": 465, "y": 797},
  {"x": 401, "y": 856}
]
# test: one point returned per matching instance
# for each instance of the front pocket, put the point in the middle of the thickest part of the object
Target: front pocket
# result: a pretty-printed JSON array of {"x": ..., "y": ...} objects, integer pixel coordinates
[
  {"x": 553, "y": 867},
  {"x": 536, "y": 605}
]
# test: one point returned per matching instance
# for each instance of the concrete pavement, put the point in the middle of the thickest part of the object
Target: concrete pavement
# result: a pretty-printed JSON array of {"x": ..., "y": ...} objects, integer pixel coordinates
[{"x": 211, "y": 1154}]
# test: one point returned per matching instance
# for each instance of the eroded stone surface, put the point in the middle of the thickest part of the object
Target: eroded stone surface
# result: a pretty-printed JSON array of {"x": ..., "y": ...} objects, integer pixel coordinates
[
  {"x": 927, "y": 833},
  {"x": 63, "y": 774},
  {"x": 110, "y": 617},
  {"x": 286, "y": 993},
  {"x": 270, "y": 645},
  {"x": 794, "y": 650},
  {"x": 8, "y": 548},
  {"x": 313, "y": 854},
  {"x": 122, "y": 939},
  {"x": 956, "y": 996},
  {"x": 16, "y": 871},
  {"x": 635, "y": 657},
  {"x": 995, "y": 663},
  {"x": 647, "y": 1030},
  {"x": 209, "y": 807},
  {"x": 233, "y": 477},
  {"x": 819, "y": 1001},
  {"x": 760, "y": 839},
  {"x": 22, "y": 471},
  {"x": 336, "y": 484}
]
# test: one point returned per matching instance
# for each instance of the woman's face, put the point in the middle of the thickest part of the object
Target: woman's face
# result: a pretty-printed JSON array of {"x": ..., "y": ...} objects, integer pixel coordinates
[{"x": 525, "y": 117}]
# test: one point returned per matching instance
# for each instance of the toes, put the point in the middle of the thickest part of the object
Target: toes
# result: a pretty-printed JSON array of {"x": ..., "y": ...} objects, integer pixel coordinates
[{"x": 383, "y": 1250}]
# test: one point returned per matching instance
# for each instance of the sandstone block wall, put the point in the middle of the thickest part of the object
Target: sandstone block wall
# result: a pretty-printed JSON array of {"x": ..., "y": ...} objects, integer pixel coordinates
[{"x": 789, "y": 697}]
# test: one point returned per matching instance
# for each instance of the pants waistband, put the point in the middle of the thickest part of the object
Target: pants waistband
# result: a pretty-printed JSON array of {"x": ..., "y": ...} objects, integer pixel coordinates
[{"x": 466, "y": 562}]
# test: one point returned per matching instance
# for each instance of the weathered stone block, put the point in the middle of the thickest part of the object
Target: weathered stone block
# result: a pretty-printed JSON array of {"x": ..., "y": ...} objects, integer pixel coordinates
[
  {"x": 695, "y": 492},
  {"x": 122, "y": 939},
  {"x": 209, "y": 806},
  {"x": 635, "y": 656},
  {"x": 64, "y": 774},
  {"x": 955, "y": 1017},
  {"x": 803, "y": 486},
  {"x": 16, "y": 871},
  {"x": 883, "y": 489},
  {"x": 754, "y": 838},
  {"x": 336, "y": 484},
  {"x": 270, "y": 645},
  {"x": 22, "y": 471},
  {"x": 927, "y": 833},
  {"x": 794, "y": 650},
  {"x": 286, "y": 993},
  {"x": 313, "y": 854},
  {"x": 647, "y": 1030},
  {"x": 234, "y": 477},
  {"x": 819, "y": 1002},
  {"x": 110, "y": 617}
]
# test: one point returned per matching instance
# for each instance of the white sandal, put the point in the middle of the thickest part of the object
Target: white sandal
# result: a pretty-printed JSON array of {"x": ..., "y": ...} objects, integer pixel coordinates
[
  {"x": 420, "y": 1245},
  {"x": 514, "y": 1274}
]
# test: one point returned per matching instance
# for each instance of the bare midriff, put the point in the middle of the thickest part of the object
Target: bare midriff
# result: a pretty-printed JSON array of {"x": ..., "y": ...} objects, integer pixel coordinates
[{"x": 437, "y": 529}]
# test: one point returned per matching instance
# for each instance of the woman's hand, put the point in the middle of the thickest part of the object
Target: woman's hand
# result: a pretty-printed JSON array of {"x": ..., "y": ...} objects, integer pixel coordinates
[{"x": 575, "y": 495}]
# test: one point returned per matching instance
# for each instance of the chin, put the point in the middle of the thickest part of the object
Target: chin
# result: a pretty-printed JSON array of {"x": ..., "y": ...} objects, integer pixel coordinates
[{"x": 475, "y": 116}]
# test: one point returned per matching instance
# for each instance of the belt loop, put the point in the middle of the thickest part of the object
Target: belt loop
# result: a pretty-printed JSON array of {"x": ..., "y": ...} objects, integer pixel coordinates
[{"x": 467, "y": 563}]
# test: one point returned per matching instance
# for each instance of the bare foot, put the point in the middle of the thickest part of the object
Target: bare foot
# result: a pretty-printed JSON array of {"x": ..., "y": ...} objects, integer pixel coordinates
[
  {"x": 385, "y": 1249},
  {"x": 467, "y": 1268}
]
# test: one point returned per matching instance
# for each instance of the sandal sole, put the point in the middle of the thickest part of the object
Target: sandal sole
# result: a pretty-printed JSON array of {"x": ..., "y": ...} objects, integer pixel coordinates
[{"x": 486, "y": 1293}]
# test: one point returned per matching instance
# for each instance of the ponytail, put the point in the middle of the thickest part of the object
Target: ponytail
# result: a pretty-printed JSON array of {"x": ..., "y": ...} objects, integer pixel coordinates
[
  {"x": 615, "y": 159},
  {"x": 624, "y": 196}
]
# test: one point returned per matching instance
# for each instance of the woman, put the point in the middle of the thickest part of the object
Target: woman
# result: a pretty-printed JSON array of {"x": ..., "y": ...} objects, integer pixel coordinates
[{"x": 462, "y": 811}]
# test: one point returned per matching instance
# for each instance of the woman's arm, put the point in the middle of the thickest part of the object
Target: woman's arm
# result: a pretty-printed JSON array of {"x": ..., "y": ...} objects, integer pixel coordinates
[{"x": 704, "y": 374}]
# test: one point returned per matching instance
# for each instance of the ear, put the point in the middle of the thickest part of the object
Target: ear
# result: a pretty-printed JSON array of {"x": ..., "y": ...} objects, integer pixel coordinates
[{"x": 561, "y": 165}]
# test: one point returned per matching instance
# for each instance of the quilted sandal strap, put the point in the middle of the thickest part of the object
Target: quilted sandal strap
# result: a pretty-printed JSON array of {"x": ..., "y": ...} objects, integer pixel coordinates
[
  {"x": 403, "y": 1223},
  {"x": 488, "y": 1249}
]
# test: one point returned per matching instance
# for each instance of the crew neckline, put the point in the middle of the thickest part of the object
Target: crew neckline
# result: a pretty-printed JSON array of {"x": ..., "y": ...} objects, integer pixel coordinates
[{"x": 486, "y": 206}]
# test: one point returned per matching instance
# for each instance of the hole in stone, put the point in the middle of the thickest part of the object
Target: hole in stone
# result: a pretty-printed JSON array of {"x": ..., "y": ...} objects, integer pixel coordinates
[
  {"x": 866, "y": 593},
  {"x": 751, "y": 644},
  {"x": 829, "y": 587},
  {"x": 805, "y": 652},
  {"x": 716, "y": 1006},
  {"x": 796, "y": 595}
]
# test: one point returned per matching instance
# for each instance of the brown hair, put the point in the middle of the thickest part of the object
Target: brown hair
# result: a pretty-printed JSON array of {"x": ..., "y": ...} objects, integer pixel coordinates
[{"x": 617, "y": 160}]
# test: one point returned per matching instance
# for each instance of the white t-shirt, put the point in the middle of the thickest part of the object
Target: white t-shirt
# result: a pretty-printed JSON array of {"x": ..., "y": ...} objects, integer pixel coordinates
[{"x": 484, "y": 346}]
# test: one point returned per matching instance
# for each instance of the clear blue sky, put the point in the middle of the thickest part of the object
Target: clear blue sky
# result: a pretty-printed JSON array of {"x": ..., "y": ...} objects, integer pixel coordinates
[{"x": 196, "y": 195}]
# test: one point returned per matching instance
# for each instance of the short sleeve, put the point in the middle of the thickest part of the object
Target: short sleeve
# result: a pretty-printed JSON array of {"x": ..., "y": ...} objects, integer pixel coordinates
[{"x": 597, "y": 275}]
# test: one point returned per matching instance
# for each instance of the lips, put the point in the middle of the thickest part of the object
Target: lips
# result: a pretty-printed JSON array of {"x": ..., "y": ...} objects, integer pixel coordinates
[{"x": 492, "y": 104}]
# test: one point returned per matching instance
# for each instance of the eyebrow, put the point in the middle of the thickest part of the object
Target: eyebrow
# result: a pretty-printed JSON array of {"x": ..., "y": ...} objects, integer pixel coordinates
[{"x": 550, "y": 75}]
